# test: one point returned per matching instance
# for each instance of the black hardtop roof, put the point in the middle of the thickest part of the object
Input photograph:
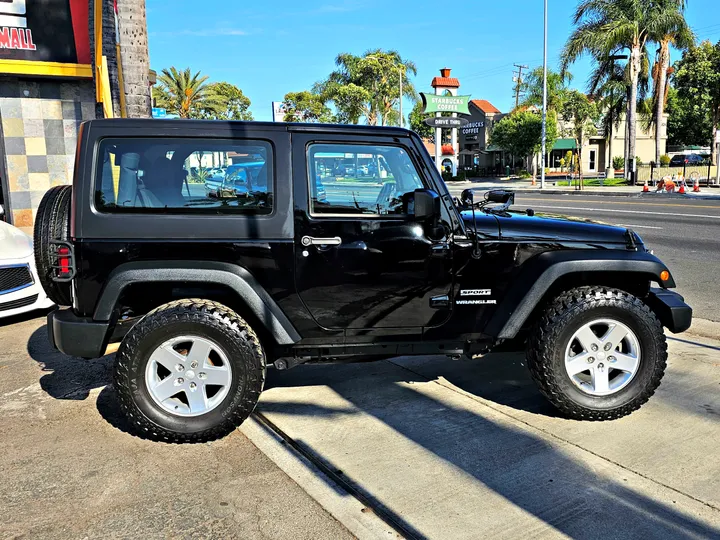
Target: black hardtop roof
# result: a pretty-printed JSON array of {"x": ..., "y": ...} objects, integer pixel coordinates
[{"x": 237, "y": 124}]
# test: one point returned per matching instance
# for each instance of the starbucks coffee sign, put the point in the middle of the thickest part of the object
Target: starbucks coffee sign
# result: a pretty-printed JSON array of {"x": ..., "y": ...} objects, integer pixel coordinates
[{"x": 452, "y": 104}]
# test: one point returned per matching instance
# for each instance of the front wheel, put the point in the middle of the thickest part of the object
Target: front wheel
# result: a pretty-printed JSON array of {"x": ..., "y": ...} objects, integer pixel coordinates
[
  {"x": 597, "y": 353},
  {"x": 189, "y": 371}
]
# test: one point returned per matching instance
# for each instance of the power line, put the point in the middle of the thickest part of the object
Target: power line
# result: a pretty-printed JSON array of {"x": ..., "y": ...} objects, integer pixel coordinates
[{"x": 517, "y": 79}]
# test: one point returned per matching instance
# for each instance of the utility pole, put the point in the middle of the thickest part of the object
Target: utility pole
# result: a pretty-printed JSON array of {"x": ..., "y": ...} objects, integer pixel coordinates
[
  {"x": 544, "y": 109},
  {"x": 517, "y": 78}
]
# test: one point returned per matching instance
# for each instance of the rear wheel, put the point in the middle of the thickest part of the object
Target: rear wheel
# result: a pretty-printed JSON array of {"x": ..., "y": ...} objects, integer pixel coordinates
[
  {"x": 52, "y": 223},
  {"x": 189, "y": 371},
  {"x": 597, "y": 353}
]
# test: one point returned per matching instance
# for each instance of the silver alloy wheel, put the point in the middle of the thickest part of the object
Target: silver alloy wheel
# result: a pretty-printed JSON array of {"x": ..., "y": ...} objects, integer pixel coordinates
[
  {"x": 602, "y": 357},
  {"x": 188, "y": 375}
]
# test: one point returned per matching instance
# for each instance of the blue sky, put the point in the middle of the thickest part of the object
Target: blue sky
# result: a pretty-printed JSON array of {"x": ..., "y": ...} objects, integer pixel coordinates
[{"x": 273, "y": 47}]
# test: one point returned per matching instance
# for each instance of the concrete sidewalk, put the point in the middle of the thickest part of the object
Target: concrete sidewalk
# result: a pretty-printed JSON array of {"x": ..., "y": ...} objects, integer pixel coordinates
[
  {"x": 525, "y": 185},
  {"x": 470, "y": 449},
  {"x": 71, "y": 470}
]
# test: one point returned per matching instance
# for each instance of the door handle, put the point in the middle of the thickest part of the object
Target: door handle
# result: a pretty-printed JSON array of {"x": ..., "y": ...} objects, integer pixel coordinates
[{"x": 311, "y": 241}]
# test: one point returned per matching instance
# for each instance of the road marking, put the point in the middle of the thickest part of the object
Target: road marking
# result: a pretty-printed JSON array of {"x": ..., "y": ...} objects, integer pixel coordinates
[
  {"x": 624, "y": 211},
  {"x": 638, "y": 226},
  {"x": 621, "y": 202}
]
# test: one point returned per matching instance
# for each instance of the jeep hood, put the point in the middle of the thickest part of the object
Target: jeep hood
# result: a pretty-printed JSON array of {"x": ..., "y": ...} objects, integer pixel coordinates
[{"x": 519, "y": 227}]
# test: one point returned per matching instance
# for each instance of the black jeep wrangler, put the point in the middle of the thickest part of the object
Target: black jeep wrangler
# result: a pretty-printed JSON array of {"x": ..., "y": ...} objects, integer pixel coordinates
[{"x": 327, "y": 243}]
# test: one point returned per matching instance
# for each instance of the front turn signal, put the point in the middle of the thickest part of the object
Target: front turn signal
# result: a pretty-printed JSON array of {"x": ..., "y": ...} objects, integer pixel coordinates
[{"x": 664, "y": 275}]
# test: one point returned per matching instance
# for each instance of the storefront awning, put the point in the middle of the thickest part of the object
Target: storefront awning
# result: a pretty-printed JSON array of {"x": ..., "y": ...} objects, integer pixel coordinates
[
  {"x": 493, "y": 148},
  {"x": 564, "y": 144}
]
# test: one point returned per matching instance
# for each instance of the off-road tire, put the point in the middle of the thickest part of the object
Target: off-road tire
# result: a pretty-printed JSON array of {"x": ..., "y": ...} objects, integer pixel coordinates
[
  {"x": 52, "y": 223},
  {"x": 205, "y": 319},
  {"x": 549, "y": 339}
]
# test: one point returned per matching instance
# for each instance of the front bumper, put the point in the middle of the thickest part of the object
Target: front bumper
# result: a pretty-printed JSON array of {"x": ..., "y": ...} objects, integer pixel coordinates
[
  {"x": 26, "y": 298},
  {"x": 77, "y": 336},
  {"x": 671, "y": 309}
]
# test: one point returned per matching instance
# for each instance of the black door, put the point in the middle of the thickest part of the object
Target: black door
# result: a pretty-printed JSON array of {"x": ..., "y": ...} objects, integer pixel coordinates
[{"x": 362, "y": 262}]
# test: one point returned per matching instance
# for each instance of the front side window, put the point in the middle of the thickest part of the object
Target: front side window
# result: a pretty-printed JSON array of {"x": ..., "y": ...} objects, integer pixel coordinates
[
  {"x": 360, "y": 179},
  {"x": 182, "y": 176}
]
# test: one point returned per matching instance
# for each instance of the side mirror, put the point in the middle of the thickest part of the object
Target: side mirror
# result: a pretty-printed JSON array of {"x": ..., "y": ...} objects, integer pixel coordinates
[{"x": 427, "y": 204}]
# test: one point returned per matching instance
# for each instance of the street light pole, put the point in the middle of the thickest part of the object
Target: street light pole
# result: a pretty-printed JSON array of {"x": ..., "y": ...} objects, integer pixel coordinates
[
  {"x": 401, "y": 78},
  {"x": 544, "y": 111}
]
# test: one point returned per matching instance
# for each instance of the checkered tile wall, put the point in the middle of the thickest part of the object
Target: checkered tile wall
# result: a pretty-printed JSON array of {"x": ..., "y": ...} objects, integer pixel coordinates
[{"x": 40, "y": 119}]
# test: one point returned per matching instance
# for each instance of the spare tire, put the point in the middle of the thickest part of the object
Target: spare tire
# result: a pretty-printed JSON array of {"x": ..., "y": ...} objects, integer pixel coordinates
[{"x": 52, "y": 223}]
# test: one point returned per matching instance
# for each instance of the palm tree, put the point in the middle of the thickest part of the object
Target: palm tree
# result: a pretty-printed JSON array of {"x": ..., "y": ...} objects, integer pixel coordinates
[
  {"x": 608, "y": 87},
  {"x": 369, "y": 86},
  {"x": 185, "y": 94},
  {"x": 604, "y": 27},
  {"x": 133, "y": 40},
  {"x": 677, "y": 33}
]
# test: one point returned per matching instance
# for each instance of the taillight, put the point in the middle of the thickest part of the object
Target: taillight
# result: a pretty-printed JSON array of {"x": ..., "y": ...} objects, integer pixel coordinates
[{"x": 64, "y": 261}]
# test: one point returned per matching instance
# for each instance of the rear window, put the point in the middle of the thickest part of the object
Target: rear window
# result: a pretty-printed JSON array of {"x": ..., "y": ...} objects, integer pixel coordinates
[{"x": 179, "y": 176}]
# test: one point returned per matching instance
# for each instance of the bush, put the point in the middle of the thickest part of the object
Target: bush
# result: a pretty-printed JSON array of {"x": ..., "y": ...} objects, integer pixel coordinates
[
  {"x": 638, "y": 161},
  {"x": 461, "y": 176},
  {"x": 524, "y": 174},
  {"x": 664, "y": 160},
  {"x": 618, "y": 163},
  {"x": 447, "y": 176}
]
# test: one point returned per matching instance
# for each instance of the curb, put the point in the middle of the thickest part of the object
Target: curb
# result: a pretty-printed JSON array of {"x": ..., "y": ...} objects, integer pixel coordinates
[
  {"x": 591, "y": 192},
  {"x": 349, "y": 511},
  {"x": 704, "y": 328}
]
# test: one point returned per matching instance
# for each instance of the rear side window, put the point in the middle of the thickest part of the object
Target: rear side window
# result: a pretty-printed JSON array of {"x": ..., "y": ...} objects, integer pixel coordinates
[{"x": 184, "y": 176}]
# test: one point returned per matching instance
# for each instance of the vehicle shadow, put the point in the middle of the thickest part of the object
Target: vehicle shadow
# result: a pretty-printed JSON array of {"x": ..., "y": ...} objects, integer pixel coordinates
[
  {"x": 502, "y": 378},
  {"x": 576, "y": 498},
  {"x": 67, "y": 377}
]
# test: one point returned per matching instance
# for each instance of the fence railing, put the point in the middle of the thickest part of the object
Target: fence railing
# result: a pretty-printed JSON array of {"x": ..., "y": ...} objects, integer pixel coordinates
[{"x": 705, "y": 174}]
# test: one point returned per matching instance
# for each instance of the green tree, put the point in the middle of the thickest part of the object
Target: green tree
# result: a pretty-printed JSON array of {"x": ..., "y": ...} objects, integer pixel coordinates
[
  {"x": 306, "y": 107},
  {"x": 185, "y": 94},
  {"x": 606, "y": 27},
  {"x": 417, "y": 123},
  {"x": 232, "y": 103},
  {"x": 688, "y": 123},
  {"x": 580, "y": 115},
  {"x": 368, "y": 86},
  {"x": 697, "y": 79},
  {"x": 557, "y": 83},
  {"x": 520, "y": 133}
]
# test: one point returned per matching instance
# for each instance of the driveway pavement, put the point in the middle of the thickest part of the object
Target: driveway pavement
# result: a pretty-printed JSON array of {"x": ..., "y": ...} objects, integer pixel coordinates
[
  {"x": 70, "y": 470},
  {"x": 470, "y": 449},
  {"x": 438, "y": 448}
]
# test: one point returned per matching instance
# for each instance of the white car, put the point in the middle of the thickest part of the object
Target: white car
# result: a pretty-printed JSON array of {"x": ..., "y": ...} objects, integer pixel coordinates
[{"x": 20, "y": 289}]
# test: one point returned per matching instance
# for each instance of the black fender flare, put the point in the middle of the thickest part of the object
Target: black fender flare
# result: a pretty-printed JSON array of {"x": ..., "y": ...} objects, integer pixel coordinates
[
  {"x": 539, "y": 273},
  {"x": 237, "y": 278}
]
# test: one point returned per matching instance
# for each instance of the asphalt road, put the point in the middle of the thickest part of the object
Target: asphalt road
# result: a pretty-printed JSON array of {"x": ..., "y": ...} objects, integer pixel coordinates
[{"x": 683, "y": 233}]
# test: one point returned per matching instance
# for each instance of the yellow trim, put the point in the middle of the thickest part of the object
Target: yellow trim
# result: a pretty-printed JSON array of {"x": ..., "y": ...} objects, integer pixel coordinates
[
  {"x": 105, "y": 85},
  {"x": 97, "y": 15},
  {"x": 50, "y": 69}
]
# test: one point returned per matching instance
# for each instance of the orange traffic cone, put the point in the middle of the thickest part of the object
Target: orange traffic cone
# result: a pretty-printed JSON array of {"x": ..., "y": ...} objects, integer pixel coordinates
[
  {"x": 682, "y": 187},
  {"x": 533, "y": 181},
  {"x": 696, "y": 187},
  {"x": 645, "y": 187}
]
